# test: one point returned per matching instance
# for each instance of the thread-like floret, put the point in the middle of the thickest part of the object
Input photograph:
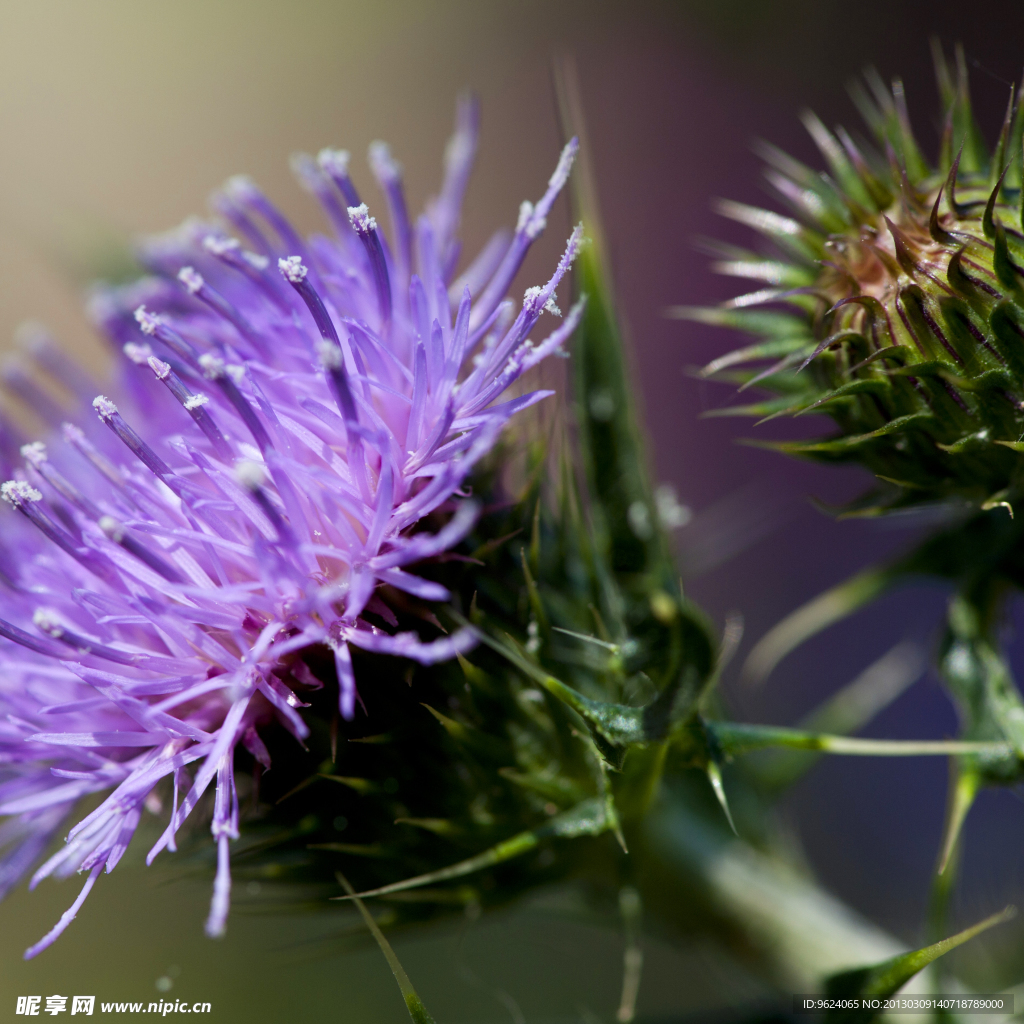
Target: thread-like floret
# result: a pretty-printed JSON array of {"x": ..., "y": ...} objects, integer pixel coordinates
[
  {"x": 384, "y": 166},
  {"x": 256, "y": 518},
  {"x": 241, "y": 188},
  {"x": 525, "y": 213}
]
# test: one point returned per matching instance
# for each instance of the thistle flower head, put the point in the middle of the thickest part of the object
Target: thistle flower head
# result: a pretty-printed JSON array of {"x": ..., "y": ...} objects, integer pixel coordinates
[
  {"x": 904, "y": 280},
  {"x": 290, "y": 409}
]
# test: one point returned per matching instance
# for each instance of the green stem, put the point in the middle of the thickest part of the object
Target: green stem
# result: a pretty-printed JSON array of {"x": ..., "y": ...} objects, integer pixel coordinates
[
  {"x": 734, "y": 738},
  {"x": 696, "y": 876}
]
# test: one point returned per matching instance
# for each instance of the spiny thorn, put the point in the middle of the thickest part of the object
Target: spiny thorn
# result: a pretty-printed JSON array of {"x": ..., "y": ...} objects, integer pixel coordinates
[{"x": 715, "y": 778}]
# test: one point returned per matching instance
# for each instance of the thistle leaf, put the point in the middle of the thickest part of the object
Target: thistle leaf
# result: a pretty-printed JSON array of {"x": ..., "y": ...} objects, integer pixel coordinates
[
  {"x": 588, "y": 818},
  {"x": 763, "y": 350},
  {"x": 963, "y": 791},
  {"x": 617, "y": 724},
  {"x": 880, "y": 981},
  {"x": 632, "y": 553},
  {"x": 417, "y": 1011},
  {"x": 848, "y": 710}
]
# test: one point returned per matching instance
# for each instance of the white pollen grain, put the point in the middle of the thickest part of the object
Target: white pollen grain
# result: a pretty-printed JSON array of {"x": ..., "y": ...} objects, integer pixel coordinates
[
  {"x": 159, "y": 367},
  {"x": 104, "y": 406},
  {"x": 45, "y": 619},
  {"x": 292, "y": 269},
  {"x": 111, "y": 528},
  {"x": 16, "y": 492},
  {"x": 361, "y": 220},
  {"x": 220, "y": 245},
  {"x": 147, "y": 321},
  {"x": 334, "y": 161},
  {"x": 329, "y": 353},
  {"x": 211, "y": 365},
  {"x": 250, "y": 475},
  {"x": 34, "y": 453},
  {"x": 192, "y": 280},
  {"x": 138, "y": 354}
]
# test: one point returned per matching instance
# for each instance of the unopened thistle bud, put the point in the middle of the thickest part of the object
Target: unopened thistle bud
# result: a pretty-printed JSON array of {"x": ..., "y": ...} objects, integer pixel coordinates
[{"x": 904, "y": 282}]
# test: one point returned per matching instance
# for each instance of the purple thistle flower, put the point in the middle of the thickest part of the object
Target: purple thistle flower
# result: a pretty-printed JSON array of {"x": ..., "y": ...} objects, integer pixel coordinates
[{"x": 291, "y": 408}]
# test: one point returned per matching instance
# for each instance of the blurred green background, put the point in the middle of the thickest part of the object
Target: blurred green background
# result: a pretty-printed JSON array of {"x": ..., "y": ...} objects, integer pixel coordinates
[{"x": 119, "y": 117}]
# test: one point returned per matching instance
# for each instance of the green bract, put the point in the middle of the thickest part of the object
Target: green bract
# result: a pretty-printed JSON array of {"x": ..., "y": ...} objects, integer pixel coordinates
[{"x": 904, "y": 282}]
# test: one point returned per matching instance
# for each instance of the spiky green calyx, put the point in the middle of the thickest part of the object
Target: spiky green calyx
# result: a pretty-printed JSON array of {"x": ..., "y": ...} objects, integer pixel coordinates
[
  {"x": 536, "y": 757},
  {"x": 904, "y": 284}
]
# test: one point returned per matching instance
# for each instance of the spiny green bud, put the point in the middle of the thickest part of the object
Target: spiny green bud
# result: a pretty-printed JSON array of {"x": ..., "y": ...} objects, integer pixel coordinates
[{"x": 908, "y": 284}]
